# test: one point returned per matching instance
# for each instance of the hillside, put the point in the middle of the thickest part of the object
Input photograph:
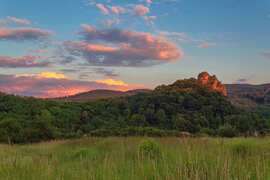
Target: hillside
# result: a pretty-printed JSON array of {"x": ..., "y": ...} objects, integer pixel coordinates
[
  {"x": 186, "y": 105},
  {"x": 240, "y": 94},
  {"x": 249, "y": 95},
  {"x": 100, "y": 94},
  {"x": 206, "y": 80}
]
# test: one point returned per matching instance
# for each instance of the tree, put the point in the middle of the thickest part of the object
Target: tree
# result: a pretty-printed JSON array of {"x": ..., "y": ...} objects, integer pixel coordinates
[
  {"x": 138, "y": 120},
  {"x": 11, "y": 131}
]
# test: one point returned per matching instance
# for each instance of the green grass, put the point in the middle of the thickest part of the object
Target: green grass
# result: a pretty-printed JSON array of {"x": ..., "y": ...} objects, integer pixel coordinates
[{"x": 120, "y": 158}]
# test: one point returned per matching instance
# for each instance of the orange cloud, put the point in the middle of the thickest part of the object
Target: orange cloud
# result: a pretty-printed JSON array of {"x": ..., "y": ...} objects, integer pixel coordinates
[
  {"x": 122, "y": 48},
  {"x": 141, "y": 10},
  {"x": 20, "y": 21},
  {"x": 51, "y": 84},
  {"x": 88, "y": 47},
  {"x": 21, "y": 34},
  {"x": 112, "y": 82},
  {"x": 102, "y": 8},
  {"x": 207, "y": 44},
  {"x": 117, "y": 9},
  {"x": 51, "y": 75}
]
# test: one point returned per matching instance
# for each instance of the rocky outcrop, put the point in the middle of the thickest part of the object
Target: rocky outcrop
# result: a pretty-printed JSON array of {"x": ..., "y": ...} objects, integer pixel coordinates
[{"x": 213, "y": 82}]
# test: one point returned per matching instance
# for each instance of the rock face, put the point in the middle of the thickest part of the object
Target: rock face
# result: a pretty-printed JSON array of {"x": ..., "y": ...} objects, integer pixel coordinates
[{"x": 213, "y": 82}]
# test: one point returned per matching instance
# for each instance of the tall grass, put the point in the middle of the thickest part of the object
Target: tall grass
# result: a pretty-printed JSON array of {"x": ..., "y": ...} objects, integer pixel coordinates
[{"x": 120, "y": 158}]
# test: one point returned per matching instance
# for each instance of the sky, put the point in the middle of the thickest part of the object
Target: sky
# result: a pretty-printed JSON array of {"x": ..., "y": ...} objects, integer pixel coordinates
[{"x": 58, "y": 48}]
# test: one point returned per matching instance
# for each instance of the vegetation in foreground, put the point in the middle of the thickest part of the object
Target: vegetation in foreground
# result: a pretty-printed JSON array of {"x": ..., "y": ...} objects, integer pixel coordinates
[{"x": 138, "y": 158}]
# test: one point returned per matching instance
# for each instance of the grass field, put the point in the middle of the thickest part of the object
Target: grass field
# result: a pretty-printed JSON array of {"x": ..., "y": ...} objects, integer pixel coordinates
[{"x": 120, "y": 158}]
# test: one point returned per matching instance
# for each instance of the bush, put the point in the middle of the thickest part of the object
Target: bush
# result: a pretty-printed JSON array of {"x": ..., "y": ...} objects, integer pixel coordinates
[
  {"x": 207, "y": 131},
  {"x": 227, "y": 131},
  {"x": 150, "y": 148}
]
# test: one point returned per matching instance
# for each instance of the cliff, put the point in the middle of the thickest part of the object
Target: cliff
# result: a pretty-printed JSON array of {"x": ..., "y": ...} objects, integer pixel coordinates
[{"x": 213, "y": 82}]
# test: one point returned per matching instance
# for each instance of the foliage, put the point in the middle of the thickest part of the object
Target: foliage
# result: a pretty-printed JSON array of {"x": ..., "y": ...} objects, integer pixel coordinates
[
  {"x": 227, "y": 131},
  {"x": 150, "y": 148},
  {"x": 186, "y": 105}
]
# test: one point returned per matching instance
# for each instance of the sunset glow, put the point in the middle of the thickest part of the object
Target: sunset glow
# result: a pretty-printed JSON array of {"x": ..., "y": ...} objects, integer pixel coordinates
[{"x": 123, "y": 45}]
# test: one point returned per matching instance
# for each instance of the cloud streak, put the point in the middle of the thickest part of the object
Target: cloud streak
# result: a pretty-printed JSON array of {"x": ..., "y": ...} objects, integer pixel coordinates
[
  {"x": 20, "y": 21},
  {"x": 207, "y": 44},
  {"x": 117, "y": 9},
  {"x": 23, "y": 34},
  {"x": 22, "y": 62},
  {"x": 45, "y": 87},
  {"x": 103, "y": 9}
]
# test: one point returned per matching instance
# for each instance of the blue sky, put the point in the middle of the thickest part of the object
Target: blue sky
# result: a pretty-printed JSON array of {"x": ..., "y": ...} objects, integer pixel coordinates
[{"x": 229, "y": 38}]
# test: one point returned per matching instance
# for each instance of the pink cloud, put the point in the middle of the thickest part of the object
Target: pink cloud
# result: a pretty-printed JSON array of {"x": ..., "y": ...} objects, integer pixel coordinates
[
  {"x": 102, "y": 8},
  {"x": 113, "y": 47},
  {"x": 45, "y": 51},
  {"x": 109, "y": 22},
  {"x": 207, "y": 44},
  {"x": 49, "y": 86},
  {"x": 147, "y": 1},
  {"x": 21, "y": 34},
  {"x": 149, "y": 19},
  {"x": 117, "y": 9},
  {"x": 141, "y": 10},
  {"x": 20, "y": 21},
  {"x": 22, "y": 62}
]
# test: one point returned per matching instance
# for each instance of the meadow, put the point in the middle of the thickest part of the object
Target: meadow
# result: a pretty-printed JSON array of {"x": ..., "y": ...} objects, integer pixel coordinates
[{"x": 116, "y": 158}]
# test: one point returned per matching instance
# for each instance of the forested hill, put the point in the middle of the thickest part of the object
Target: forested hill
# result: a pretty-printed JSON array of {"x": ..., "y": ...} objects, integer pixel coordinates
[
  {"x": 100, "y": 94},
  {"x": 186, "y": 105},
  {"x": 249, "y": 95}
]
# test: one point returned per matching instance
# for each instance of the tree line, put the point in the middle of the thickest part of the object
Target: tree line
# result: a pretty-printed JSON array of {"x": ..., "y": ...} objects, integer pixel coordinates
[{"x": 187, "y": 105}]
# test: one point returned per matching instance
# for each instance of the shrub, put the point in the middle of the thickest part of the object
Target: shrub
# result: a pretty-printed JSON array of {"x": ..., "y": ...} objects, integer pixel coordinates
[
  {"x": 227, "y": 131},
  {"x": 207, "y": 131},
  {"x": 150, "y": 148}
]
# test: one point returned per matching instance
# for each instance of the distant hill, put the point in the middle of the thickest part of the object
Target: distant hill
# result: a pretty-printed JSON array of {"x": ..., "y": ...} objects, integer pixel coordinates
[
  {"x": 197, "y": 106},
  {"x": 100, "y": 94},
  {"x": 249, "y": 95}
]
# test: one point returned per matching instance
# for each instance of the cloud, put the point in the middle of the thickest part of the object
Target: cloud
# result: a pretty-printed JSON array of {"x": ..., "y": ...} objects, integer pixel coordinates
[
  {"x": 44, "y": 51},
  {"x": 207, "y": 44},
  {"x": 69, "y": 70},
  {"x": 141, "y": 10},
  {"x": 117, "y": 9},
  {"x": 266, "y": 54},
  {"x": 105, "y": 72},
  {"x": 147, "y": 1},
  {"x": 110, "y": 22},
  {"x": 23, "y": 34},
  {"x": 149, "y": 19},
  {"x": 52, "y": 87},
  {"x": 20, "y": 21},
  {"x": 50, "y": 75},
  {"x": 122, "y": 48},
  {"x": 83, "y": 76},
  {"x": 172, "y": 34},
  {"x": 112, "y": 82},
  {"x": 103, "y": 9},
  {"x": 241, "y": 81},
  {"x": 22, "y": 62}
]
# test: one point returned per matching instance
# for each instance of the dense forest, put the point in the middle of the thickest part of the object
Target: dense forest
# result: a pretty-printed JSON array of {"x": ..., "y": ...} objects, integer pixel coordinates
[
  {"x": 249, "y": 95},
  {"x": 186, "y": 105}
]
